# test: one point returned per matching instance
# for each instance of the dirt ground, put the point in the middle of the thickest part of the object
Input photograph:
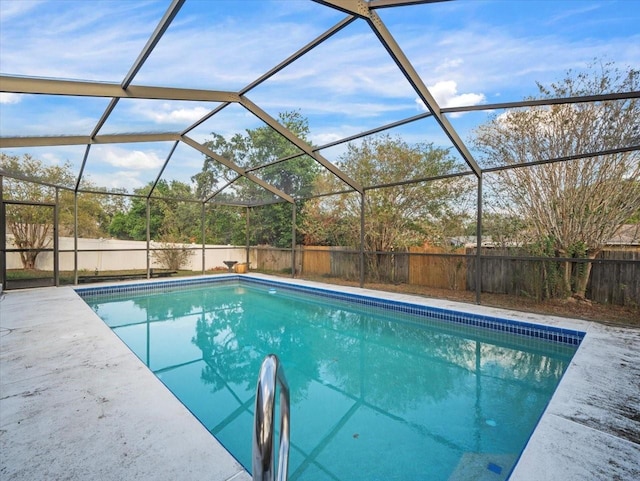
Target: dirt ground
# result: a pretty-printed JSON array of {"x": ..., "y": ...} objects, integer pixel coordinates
[{"x": 607, "y": 314}]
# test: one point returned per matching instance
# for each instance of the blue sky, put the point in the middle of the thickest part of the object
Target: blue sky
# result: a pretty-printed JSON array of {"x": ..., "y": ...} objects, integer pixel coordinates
[{"x": 467, "y": 52}]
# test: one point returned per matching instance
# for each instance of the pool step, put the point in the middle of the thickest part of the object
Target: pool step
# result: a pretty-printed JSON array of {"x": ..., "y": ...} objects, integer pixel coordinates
[{"x": 483, "y": 467}]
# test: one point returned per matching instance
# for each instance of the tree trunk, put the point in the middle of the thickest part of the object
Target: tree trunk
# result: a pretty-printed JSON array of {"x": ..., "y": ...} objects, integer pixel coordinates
[
  {"x": 29, "y": 259},
  {"x": 566, "y": 276},
  {"x": 582, "y": 276},
  {"x": 28, "y": 234}
]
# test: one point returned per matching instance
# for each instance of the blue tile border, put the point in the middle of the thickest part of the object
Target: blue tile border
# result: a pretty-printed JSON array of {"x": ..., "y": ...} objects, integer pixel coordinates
[
  {"x": 155, "y": 287},
  {"x": 507, "y": 326}
]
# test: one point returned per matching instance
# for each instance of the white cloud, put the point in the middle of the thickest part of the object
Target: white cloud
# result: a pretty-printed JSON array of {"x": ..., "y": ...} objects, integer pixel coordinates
[
  {"x": 9, "y": 98},
  {"x": 449, "y": 64},
  {"x": 118, "y": 179},
  {"x": 568, "y": 13},
  {"x": 74, "y": 39},
  {"x": 213, "y": 44},
  {"x": 326, "y": 138},
  {"x": 52, "y": 158},
  {"x": 167, "y": 115},
  {"x": 135, "y": 160},
  {"x": 343, "y": 67},
  {"x": 230, "y": 121},
  {"x": 510, "y": 59},
  {"x": 16, "y": 9},
  {"x": 446, "y": 95}
]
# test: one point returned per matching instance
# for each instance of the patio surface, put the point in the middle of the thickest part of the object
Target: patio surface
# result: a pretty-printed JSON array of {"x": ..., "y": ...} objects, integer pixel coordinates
[{"x": 76, "y": 404}]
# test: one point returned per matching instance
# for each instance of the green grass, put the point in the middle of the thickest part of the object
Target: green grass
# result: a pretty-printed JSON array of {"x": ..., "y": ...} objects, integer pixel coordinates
[
  {"x": 67, "y": 277},
  {"x": 19, "y": 274}
]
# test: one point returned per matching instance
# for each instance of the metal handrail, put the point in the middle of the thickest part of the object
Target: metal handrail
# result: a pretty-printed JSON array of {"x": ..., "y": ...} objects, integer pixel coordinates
[{"x": 271, "y": 373}]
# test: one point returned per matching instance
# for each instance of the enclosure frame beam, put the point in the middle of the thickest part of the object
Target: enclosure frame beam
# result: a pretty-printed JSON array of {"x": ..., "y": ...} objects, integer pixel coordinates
[
  {"x": 56, "y": 242},
  {"x": 479, "y": 242},
  {"x": 400, "y": 3},
  {"x": 204, "y": 238},
  {"x": 164, "y": 166},
  {"x": 299, "y": 143},
  {"x": 293, "y": 240},
  {"x": 231, "y": 165},
  {"x": 362, "y": 224},
  {"x": 247, "y": 237},
  {"x": 77, "y": 88},
  {"x": 61, "y": 140},
  {"x": 75, "y": 238},
  {"x": 148, "y": 236},
  {"x": 3, "y": 239}
]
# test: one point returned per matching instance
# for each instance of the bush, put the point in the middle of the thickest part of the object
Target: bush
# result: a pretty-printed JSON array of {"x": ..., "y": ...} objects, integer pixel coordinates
[{"x": 171, "y": 256}]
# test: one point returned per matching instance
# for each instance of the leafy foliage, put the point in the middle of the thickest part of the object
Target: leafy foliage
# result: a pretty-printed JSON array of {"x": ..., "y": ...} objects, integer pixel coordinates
[
  {"x": 578, "y": 204},
  {"x": 171, "y": 256},
  {"x": 169, "y": 215},
  {"x": 397, "y": 215},
  {"x": 32, "y": 226},
  {"x": 257, "y": 150}
]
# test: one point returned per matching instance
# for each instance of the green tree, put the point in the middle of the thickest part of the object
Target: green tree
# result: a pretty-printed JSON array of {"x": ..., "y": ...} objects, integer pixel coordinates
[
  {"x": 578, "y": 204},
  {"x": 503, "y": 229},
  {"x": 171, "y": 219},
  {"x": 397, "y": 216},
  {"x": 31, "y": 226},
  {"x": 95, "y": 211},
  {"x": 256, "y": 148},
  {"x": 225, "y": 224}
]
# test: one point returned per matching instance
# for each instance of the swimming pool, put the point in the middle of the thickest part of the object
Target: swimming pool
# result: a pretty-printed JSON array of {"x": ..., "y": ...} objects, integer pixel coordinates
[{"x": 379, "y": 389}]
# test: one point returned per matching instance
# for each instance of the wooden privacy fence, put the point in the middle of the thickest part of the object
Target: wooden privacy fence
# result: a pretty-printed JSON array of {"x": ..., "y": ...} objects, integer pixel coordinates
[
  {"x": 503, "y": 275},
  {"x": 616, "y": 283},
  {"x": 609, "y": 283},
  {"x": 273, "y": 259},
  {"x": 311, "y": 260},
  {"x": 442, "y": 272},
  {"x": 317, "y": 260},
  {"x": 397, "y": 267},
  {"x": 412, "y": 266},
  {"x": 333, "y": 261}
]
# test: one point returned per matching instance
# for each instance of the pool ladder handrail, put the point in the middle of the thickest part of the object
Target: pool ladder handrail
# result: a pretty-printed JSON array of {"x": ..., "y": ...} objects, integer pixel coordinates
[{"x": 271, "y": 374}]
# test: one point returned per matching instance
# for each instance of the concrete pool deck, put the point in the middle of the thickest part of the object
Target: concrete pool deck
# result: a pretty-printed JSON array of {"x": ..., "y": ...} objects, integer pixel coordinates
[{"x": 76, "y": 404}]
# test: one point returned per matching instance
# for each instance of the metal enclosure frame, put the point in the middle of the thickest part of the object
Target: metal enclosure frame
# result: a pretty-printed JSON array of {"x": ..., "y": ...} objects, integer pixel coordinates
[
  {"x": 354, "y": 10},
  {"x": 3, "y": 237}
]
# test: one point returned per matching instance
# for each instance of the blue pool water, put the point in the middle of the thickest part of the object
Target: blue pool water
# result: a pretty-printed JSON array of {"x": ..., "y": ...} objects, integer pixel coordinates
[{"x": 376, "y": 394}]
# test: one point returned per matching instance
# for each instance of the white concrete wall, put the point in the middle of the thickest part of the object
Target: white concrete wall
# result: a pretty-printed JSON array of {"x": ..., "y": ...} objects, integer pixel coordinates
[{"x": 111, "y": 258}]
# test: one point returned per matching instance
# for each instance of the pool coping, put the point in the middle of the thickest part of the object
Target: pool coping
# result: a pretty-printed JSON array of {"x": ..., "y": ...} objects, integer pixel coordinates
[
  {"x": 586, "y": 432},
  {"x": 556, "y": 334}
]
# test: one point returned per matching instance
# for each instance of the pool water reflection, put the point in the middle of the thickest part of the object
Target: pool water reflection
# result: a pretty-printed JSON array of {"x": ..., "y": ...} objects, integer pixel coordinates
[{"x": 373, "y": 395}]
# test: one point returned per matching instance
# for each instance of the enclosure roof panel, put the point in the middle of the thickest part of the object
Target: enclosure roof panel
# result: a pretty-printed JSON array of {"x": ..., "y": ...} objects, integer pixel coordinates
[
  {"x": 80, "y": 78},
  {"x": 75, "y": 39}
]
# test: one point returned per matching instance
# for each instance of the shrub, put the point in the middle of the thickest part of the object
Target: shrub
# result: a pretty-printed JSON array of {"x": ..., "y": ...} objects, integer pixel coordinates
[{"x": 171, "y": 256}]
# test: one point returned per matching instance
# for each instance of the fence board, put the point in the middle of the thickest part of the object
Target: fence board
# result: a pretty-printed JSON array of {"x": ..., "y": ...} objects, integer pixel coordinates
[
  {"x": 402, "y": 262},
  {"x": 273, "y": 259},
  {"x": 609, "y": 283},
  {"x": 434, "y": 271},
  {"x": 616, "y": 283},
  {"x": 316, "y": 260},
  {"x": 345, "y": 264}
]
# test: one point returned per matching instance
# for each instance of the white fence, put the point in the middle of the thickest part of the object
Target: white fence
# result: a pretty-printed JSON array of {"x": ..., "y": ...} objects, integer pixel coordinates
[{"x": 113, "y": 255}]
